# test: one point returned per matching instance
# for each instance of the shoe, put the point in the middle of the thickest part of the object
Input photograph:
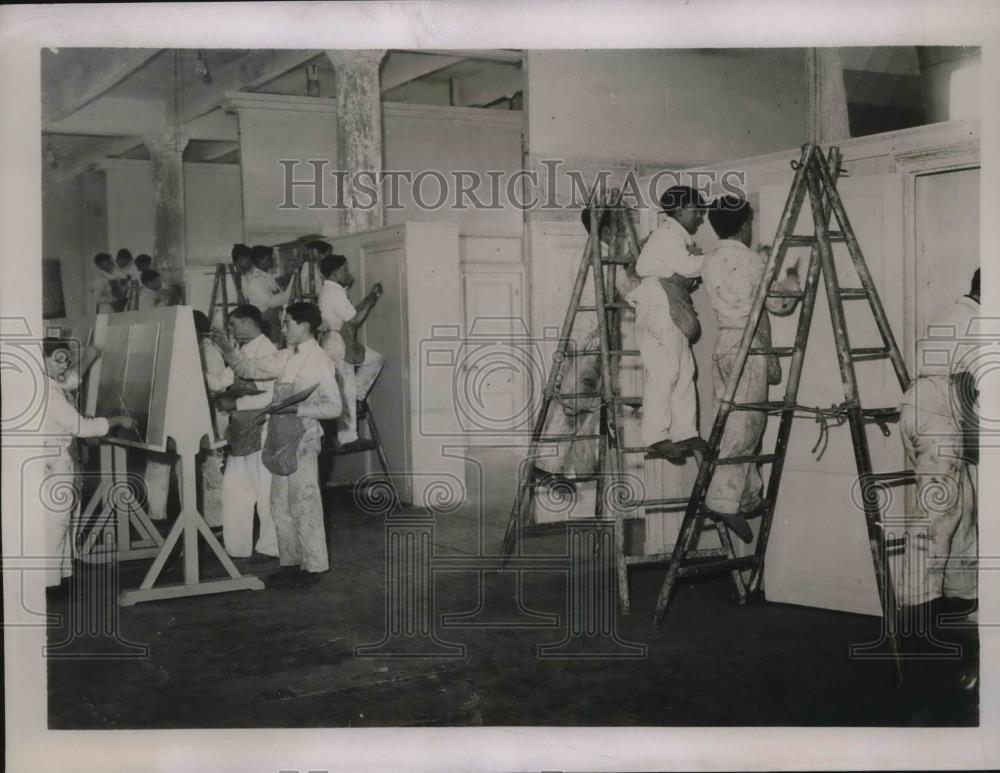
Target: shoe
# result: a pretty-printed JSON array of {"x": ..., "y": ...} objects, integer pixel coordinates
[
  {"x": 693, "y": 444},
  {"x": 735, "y": 522},
  {"x": 667, "y": 449}
]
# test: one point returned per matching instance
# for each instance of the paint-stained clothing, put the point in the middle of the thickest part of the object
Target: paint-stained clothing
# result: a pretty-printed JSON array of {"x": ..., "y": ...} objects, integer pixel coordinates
[
  {"x": 669, "y": 400},
  {"x": 356, "y": 381},
  {"x": 732, "y": 274},
  {"x": 261, "y": 289},
  {"x": 60, "y": 424},
  {"x": 577, "y": 457},
  {"x": 295, "y": 499},
  {"x": 940, "y": 552},
  {"x": 246, "y": 483}
]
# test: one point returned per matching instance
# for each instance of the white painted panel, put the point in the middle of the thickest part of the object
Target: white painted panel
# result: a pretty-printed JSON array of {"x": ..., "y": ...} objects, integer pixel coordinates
[{"x": 819, "y": 554}]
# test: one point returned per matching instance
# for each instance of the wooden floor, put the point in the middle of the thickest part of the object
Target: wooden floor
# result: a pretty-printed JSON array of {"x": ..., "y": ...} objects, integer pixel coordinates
[{"x": 287, "y": 658}]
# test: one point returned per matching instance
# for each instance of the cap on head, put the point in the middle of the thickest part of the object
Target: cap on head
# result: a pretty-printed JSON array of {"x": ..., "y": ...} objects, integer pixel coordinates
[
  {"x": 679, "y": 196},
  {"x": 728, "y": 214}
]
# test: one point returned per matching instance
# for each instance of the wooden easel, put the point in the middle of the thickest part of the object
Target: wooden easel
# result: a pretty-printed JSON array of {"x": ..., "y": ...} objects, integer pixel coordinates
[{"x": 179, "y": 416}]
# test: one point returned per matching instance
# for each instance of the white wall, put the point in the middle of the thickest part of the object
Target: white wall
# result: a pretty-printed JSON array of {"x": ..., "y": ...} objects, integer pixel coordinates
[{"x": 655, "y": 104}]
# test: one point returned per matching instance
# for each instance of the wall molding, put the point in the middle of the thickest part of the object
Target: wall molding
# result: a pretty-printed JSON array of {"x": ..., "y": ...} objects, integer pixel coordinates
[{"x": 512, "y": 119}]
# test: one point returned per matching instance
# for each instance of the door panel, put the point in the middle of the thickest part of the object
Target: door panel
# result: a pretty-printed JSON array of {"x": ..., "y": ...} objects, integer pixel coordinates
[{"x": 818, "y": 554}]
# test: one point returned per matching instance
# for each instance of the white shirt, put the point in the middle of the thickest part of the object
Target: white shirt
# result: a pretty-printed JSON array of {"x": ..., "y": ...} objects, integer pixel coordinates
[
  {"x": 732, "y": 272},
  {"x": 261, "y": 290},
  {"x": 259, "y": 347},
  {"x": 148, "y": 299},
  {"x": 335, "y": 306},
  {"x": 303, "y": 366},
  {"x": 102, "y": 286},
  {"x": 217, "y": 375},
  {"x": 953, "y": 341},
  {"x": 667, "y": 252},
  {"x": 63, "y": 422}
]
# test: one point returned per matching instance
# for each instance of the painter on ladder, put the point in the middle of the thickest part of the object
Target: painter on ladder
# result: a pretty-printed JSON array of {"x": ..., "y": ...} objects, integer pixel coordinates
[
  {"x": 732, "y": 274},
  {"x": 666, "y": 324}
]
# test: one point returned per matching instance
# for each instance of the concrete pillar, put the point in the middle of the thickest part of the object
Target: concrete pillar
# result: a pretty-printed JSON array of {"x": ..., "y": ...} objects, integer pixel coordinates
[
  {"x": 827, "y": 117},
  {"x": 166, "y": 152},
  {"x": 359, "y": 129}
]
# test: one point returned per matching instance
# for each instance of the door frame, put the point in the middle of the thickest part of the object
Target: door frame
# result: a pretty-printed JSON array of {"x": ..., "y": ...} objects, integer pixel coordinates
[{"x": 927, "y": 161}]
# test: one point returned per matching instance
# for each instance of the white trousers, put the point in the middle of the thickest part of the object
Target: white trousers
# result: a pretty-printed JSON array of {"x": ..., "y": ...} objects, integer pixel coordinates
[
  {"x": 245, "y": 483},
  {"x": 669, "y": 398},
  {"x": 59, "y": 507},
  {"x": 355, "y": 381},
  {"x": 940, "y": 553}
]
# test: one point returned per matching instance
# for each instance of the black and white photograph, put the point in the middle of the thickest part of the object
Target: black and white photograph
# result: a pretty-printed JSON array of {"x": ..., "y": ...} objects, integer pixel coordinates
[{"x": 396, "y": 386}]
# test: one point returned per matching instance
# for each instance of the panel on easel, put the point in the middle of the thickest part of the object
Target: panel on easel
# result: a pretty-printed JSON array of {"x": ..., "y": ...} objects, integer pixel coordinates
[{"x": 137, "y": 395}]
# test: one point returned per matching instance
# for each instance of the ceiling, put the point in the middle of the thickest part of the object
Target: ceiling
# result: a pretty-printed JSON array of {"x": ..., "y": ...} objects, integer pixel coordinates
[{"x": 98, "y": 103}]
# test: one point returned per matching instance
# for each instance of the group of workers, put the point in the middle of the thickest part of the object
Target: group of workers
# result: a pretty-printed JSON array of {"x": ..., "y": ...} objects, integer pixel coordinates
[
  {"x": 123, "y": 283},
  {"x": 270, "y": 467},
  {"x": 938, "y": 412}
]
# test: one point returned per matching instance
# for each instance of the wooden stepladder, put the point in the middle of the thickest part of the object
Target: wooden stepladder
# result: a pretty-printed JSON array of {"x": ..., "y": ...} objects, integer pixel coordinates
[
  {"x": 611, "y": 501},
  {"x": 220, "y": 292},
  {"x": 816, "y": 177},
  {"x": 303, "y": 288}
]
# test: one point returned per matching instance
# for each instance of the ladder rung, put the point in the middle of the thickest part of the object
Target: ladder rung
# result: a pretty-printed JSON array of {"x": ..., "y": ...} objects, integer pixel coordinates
[
  {"x": 808, "y": 240},
  {"x": 611, "y": 352},
  {"x": 870, "y": 353},
  {"x": 610, "y": 305},
  {"x": 567, "y": 438},
  {"x": 627, "y": 400},
  {"x": 901, "y": 478},
  {"x": 798, "y": 294},
  {"x": 745, "y": 562},
  {"x": 881, "y": 414},
  {"x": 848, "y": 293},
  {"x": 753, "y": 458},
  {"x": 616, "y": 261},
  {"x": 779, "y": 351},
  {"x": 768, "y": 406},
  {"x": 661, "y": 502}
]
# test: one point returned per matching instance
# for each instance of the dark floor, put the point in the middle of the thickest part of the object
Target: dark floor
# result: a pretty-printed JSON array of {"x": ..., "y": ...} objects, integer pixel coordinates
[{"x": 286, "y": 658}]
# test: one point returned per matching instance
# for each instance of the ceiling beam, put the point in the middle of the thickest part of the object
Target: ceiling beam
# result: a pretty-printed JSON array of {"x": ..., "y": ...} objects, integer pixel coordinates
[
  {"x": 112, "y": 147},
  {"x": 508, "y": 55},
  {"x": 405, "y": 66},
  {"x": 248, "y": 72},
  {"x": 75, "y": 77}
]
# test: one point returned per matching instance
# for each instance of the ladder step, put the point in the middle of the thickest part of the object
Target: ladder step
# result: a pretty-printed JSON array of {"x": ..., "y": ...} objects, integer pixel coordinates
[
  {"x": 635, "y": 402},
  {"x": 612, "y": 352},
  {"x": 768, "y": 406},
  {"x": 778, "y": 351},
  {"x": 615, "y": 261},
  {"x": 745, "y": 562},
  {"x": 870, "y": 353},
  {"x": 798, "y": 294},
  {"x": 679, "y": 502},
  {"x": 881, "y": 414},
  {"x": 808, "y": 240},
  {"x": 753, "y": 458},
  {"x": 849, "y": 293},
  {"x": 567, "y": 438},
  {"x": 901, "y": 478},
  {"x": 611, "y": 305}
]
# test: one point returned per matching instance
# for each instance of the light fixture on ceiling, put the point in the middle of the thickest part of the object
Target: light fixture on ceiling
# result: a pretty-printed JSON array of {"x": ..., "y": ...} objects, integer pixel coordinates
[{"x": 201, "y": 69}]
